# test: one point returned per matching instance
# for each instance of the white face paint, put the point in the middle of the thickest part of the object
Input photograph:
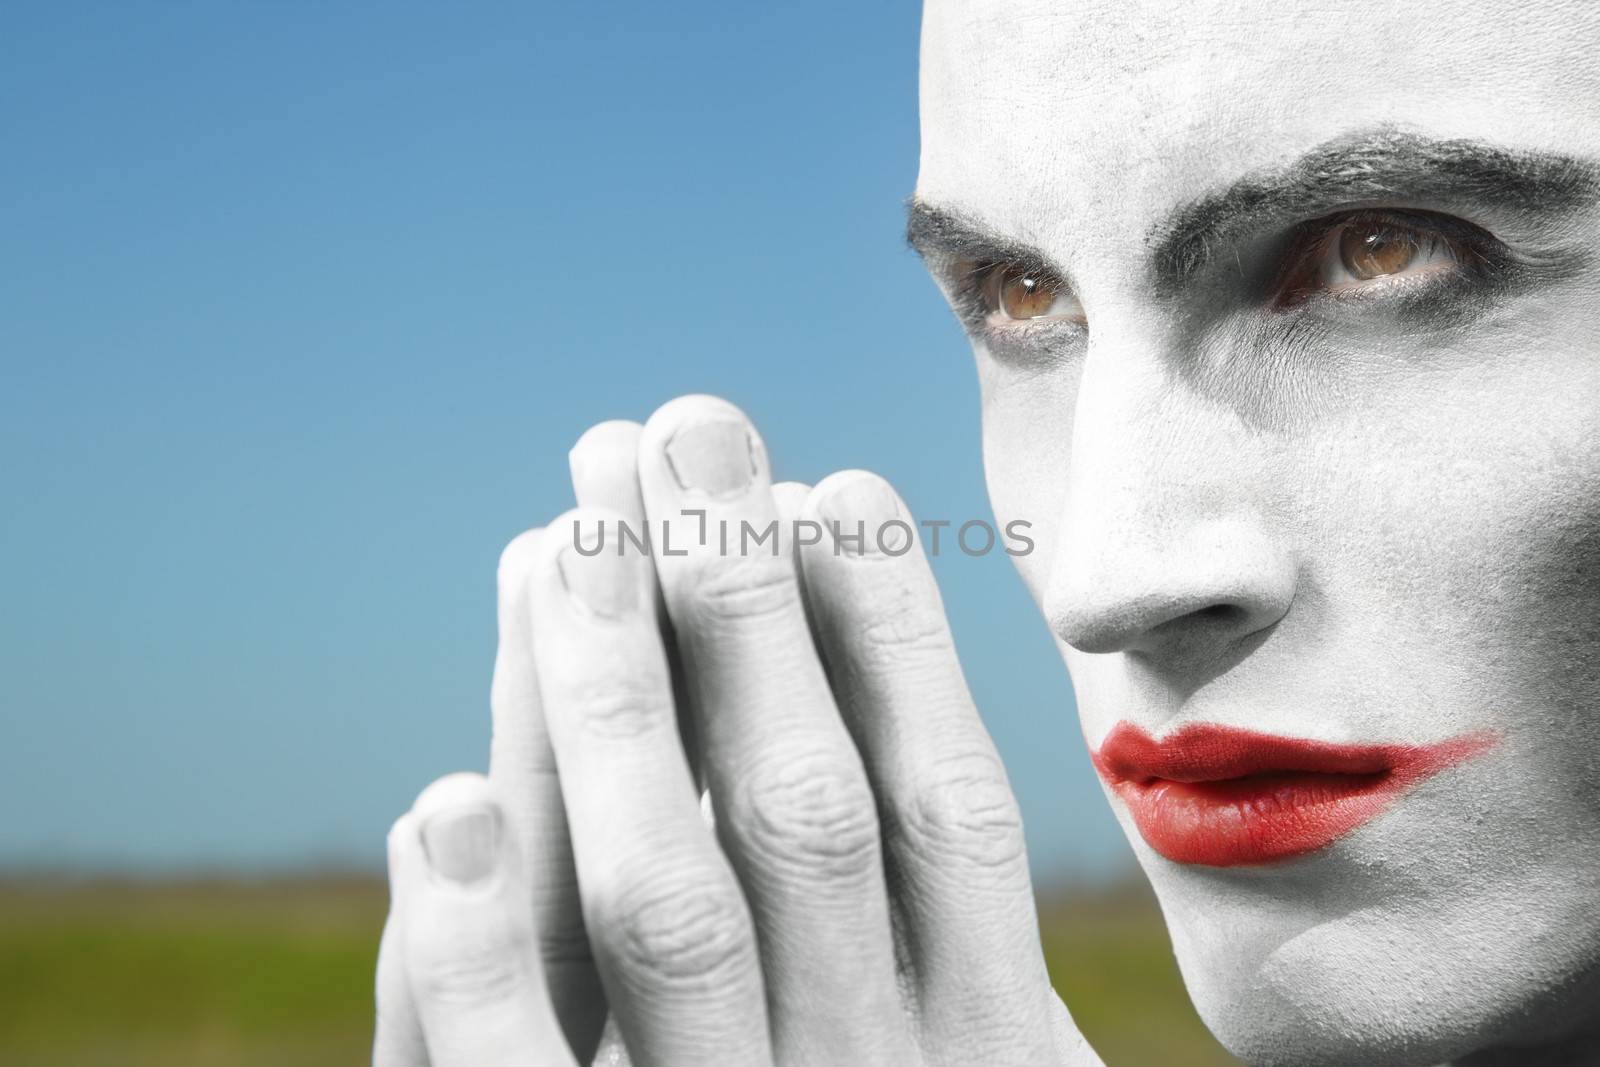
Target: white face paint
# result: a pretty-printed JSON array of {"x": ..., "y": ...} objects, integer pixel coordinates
[{"x": 1355, "y": 500}]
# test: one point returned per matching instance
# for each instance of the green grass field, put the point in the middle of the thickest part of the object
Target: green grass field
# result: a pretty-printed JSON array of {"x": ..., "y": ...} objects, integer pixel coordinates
[{"x": 226, "y": 974}]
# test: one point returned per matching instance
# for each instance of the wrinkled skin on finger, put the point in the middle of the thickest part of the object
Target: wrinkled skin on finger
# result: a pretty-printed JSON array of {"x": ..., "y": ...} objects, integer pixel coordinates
[
  {"x": 843, "y": 751},
  {"x": 460, "y": 955}
]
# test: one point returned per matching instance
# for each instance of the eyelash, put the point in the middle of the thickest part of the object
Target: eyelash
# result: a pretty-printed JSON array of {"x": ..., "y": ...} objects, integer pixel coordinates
[
  {"x": 972, "y": 279},
  {"x": 1475, "y": 254}
]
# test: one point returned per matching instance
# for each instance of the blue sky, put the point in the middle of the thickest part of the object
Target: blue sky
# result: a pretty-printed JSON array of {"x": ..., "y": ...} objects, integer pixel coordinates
[{"x": 301, "y": 307}]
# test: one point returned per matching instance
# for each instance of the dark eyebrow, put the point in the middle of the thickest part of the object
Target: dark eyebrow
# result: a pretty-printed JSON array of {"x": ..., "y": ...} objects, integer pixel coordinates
[
  {"x": 1366, "y": 169},
  {"x": 936, "y": 233}
]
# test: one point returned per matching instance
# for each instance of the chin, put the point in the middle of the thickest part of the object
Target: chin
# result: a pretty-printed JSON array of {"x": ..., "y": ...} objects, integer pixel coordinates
[
  {"x": 1404, "y": 945},
  {"x": 1332, "y": 995}
]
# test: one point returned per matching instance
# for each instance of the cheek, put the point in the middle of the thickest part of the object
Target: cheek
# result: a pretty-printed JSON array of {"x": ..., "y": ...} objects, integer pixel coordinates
[
  {"x": 1474, "y": 585},
  {"x": 1027, "y": 435},
  {"x": 1463, "y": 531}
]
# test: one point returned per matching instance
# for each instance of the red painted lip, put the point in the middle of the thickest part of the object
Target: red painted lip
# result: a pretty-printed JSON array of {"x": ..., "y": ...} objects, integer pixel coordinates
[{"x": 1225, "y": 797}]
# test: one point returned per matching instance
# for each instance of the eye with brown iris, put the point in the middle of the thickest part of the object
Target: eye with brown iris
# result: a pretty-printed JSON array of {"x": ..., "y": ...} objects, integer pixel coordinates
[
  {"x": 1374, "y": 248},
  {"x": 1368, "y": 252},
  {"x": 1016, "y": 293}
]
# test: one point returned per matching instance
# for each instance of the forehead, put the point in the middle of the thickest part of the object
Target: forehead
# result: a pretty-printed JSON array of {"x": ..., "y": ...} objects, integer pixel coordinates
[{"x": 1067, "y": 123}]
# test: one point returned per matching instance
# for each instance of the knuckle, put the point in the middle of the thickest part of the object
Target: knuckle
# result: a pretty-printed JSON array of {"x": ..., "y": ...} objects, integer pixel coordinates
[
  {"x": 743, "y": 588},
  {"x": 813, "y": 815},
  {"x": 910, "y": 634},
  {"x": 678, "y": 930},
  {"x": 617, "y": 705},
  {"x": 479, "y": 972},
  {"x": 962, "y": 811}
]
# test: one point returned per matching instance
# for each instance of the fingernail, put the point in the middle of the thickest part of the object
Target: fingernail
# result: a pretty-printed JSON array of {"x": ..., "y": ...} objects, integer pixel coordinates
[
  {"x": 864, "y": 517},
  {"x": 714, "y": 457},
  {"x": 598, "y": 579},
  {"x": 462, "y": 844}
]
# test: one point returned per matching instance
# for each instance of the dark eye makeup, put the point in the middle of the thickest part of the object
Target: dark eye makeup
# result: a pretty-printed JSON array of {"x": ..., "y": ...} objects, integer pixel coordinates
[
  {"x": 1405, "y": 259},
  {"x": 1380, "y": 254}
]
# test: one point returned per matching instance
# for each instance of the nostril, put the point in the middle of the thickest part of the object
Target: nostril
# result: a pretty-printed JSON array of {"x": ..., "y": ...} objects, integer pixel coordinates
[
  {"x": 1187, "y": 600},
  {"x": 1221, "y": 618},
  {"x": 1156, "y": 627}
]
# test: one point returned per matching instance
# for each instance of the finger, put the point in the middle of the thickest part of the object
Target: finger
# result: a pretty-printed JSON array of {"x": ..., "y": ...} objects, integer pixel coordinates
[
  {"x": 605, "y": 475},
  {"x": 470, "y": 950},
  {"x": 397, "y": 1036},
  {"x": 671, "y": 932},
  {"x": 790, "y": 500},
  {"x": 523, "y": 768},
  {"x": 953, "y": 836},
  {"x": 793, "y": 806},
  {"x": 605, "y": 469},
  {"x": 788, "y": 506}
]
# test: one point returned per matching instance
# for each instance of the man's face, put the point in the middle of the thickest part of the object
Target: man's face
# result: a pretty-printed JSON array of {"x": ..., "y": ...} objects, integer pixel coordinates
[{"x": 1287, "y": 320}]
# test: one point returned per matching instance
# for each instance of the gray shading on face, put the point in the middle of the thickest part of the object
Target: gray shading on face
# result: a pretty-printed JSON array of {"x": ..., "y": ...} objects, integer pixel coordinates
[{"x": 1287, "y": 325}]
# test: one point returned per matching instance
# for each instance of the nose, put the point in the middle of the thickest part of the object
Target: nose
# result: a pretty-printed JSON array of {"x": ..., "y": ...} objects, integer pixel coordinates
[
  {"x": 1168, "y": 549},
  {"x": 1187, "y": 597}
]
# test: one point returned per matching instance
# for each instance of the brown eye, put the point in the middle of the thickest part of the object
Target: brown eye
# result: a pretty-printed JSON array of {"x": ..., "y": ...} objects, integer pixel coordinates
[
  {"x": 1372, "y": 251},
  {"x": 1373, "y": 248},
  {"x": 1021, "y": 294}
]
